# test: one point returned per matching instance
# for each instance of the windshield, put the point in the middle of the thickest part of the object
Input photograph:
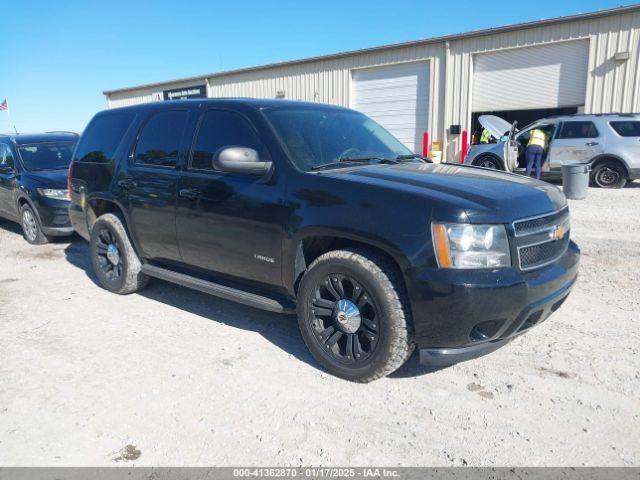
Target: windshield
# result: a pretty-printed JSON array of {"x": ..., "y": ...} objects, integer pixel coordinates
[
  {"x": 46, "y": 156},
  {"x": 317, "y": 137}
]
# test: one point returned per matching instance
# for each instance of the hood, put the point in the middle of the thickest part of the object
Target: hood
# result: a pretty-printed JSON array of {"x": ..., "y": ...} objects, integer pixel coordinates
[
  {"x": 480, "y": 194},
  {"x": 497, "y": 126},
  {"x": 47, "y": 178}
]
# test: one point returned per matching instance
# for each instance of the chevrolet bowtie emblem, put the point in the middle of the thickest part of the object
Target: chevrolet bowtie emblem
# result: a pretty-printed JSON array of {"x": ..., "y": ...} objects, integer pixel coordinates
[{"x": 558, "y": 232}]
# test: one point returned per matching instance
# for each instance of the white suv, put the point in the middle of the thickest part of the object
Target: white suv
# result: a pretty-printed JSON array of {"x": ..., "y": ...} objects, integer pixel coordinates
[{"x": 610, "y": 143}]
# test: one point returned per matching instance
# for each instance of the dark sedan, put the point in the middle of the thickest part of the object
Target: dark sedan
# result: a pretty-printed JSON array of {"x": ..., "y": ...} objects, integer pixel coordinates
[{"x": 33, "y": 183}]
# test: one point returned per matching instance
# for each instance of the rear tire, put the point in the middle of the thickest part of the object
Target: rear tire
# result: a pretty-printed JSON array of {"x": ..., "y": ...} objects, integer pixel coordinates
[
  {"x": 115, "y": 262},
  {"x": 609, "y": 174},
  {"x": 31, "y": 228},
  {"x": 354, "y": 316}
]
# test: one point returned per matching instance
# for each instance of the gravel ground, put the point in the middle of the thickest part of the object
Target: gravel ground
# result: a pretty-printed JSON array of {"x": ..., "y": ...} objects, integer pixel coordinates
[{"x": 174, "y": 377}]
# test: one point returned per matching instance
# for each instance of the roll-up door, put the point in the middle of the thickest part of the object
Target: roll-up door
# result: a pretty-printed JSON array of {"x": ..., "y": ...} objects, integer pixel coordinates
[
  {"x": 397, "y": 97},
  {"x": 547, "y": 76}
]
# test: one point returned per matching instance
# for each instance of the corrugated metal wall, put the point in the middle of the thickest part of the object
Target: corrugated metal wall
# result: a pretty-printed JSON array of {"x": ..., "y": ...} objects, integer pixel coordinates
[
  {"x": 612, "y": 86},
  {"x": 328, "y": 81}
]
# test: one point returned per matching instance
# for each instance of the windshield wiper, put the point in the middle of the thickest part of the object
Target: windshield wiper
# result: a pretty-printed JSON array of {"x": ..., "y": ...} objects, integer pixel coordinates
[
  {"x": 348, "y": 160},
  {"x": 413, "y": 156}
]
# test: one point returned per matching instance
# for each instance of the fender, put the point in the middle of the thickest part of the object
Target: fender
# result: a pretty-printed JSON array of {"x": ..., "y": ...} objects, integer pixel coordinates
[
  {"x": 24, "y": 194},
  {"x": 293, "y": 262},
  {"x": 109, "y": 197}
]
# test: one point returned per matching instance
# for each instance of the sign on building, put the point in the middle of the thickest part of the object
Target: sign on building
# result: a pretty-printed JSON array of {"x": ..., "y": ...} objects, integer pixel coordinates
[{"x": 195, "y": 91}]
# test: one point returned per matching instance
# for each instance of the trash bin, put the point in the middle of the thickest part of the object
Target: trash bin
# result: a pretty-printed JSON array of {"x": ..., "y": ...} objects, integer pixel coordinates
[{"x": 575, "y": 180}]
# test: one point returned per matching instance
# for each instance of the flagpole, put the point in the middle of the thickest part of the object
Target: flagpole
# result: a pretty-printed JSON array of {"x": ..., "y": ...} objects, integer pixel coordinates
[{"x": 9, "y": 120}]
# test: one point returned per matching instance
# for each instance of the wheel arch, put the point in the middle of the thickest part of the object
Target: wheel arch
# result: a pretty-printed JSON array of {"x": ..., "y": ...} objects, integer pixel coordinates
[
  {"x": 98, "y": 205},
  {"x": 606, "y": 157},
  {"x": 308, "y": 246}
]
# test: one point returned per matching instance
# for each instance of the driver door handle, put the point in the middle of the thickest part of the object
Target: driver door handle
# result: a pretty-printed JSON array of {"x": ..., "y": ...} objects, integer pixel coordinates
[
  {"x": 189, "y": 193},
  {"x": 592, "y": 144}
]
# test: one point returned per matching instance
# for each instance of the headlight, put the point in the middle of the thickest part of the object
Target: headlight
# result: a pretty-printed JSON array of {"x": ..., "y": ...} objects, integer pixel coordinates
[
  {"x": 59, "y": 194},
  {"x": 459, "y": 245}
]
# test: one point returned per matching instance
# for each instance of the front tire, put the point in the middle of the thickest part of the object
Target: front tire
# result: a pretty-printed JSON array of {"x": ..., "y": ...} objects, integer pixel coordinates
[
  {"x": 114, "y": 259},
  {"x": 31, "y": 228},
  {"x": 489, "y": 161},
  {"x": 353, "y": 315},
  {"x": 610, "y": 174}
]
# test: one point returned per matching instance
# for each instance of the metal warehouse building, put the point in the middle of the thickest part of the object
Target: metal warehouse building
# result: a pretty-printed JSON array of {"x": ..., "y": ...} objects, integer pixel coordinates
[{"x": 434, "y": 89}]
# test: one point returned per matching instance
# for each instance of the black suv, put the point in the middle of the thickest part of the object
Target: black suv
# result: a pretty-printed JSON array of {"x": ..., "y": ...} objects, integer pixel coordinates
[
  {"x": 291, "y": 206},
  {"x": 33, "y": 183}
]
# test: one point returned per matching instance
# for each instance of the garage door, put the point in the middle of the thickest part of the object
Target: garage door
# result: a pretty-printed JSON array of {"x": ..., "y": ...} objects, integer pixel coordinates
[
  {"x": 549, "y": 76},
  {"x": 397, "y": 97}
]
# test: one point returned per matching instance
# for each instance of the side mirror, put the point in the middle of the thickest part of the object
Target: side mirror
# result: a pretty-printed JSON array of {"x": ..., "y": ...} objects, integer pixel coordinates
[
  {"x": 240, "y": 160},
  {"x": 6, "y": 169}
]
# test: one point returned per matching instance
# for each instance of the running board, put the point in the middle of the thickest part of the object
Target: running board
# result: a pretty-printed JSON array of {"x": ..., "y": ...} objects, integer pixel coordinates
[{"x": 215, "y": 289}]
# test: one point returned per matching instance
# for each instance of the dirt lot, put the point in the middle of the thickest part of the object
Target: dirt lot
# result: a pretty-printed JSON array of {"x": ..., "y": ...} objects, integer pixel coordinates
[{"x": 174, "y": 377}]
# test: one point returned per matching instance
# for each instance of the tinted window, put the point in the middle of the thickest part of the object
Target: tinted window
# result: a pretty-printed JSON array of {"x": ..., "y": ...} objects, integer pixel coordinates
[
  {"x": 578, "y": 130},
  {"x": 6, "y": 159},
  {"x": 46, "y": 156},
  {"x": 159, "y": 141},
  {"x": 102, "y": 136},
  {"x": 220, "y": 129},
  {"x": 626, "y": 129}
]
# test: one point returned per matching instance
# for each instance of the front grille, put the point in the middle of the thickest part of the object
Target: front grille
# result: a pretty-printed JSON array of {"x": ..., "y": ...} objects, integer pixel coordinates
[
  {"x": 537, "y": 239},
  {"x": 538, "y": 255},
  {"x": 539, "y": 224}
]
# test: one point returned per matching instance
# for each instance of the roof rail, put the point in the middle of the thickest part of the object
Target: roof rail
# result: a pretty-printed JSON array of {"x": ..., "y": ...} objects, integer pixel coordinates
[
  {"x": 611, "y": 114},
  {"x": 62, "y": 131}
]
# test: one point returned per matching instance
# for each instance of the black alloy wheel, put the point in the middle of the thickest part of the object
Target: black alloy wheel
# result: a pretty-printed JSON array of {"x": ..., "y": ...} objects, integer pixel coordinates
[
  {"x": 108, "y": 255},
  {"x": 353, "y": 314},
  {"x": 115, "y": 262},
  {"x": 344, "y": 320}
]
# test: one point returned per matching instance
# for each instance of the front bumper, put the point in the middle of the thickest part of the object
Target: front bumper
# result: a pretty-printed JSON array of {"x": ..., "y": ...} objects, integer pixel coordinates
[
  {"x": 54, "y": 216},
  {"x": 460, "y": 315}
]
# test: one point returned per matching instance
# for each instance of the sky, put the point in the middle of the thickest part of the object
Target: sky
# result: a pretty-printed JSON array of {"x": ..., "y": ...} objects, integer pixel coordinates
[{"x": 56, "y": 58}]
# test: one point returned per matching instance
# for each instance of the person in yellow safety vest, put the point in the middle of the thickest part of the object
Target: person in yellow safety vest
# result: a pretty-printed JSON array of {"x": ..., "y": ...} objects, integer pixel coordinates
[
  {"x": 534, "y": 153},
  {"x": 486, "y": 136}
]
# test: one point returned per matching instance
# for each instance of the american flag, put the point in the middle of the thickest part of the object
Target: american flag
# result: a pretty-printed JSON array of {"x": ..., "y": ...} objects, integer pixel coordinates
[{"x": 4, "y": 105}]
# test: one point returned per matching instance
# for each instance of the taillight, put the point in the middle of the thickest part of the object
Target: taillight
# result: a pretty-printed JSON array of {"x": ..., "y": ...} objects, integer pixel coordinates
[{"x": 69, "y": 176}]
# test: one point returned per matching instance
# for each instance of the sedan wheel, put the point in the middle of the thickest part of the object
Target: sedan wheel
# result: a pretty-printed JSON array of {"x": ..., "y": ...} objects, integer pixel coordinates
[
  {"x": 31, "y": 228},
  {"x": 29, "y": 225}
]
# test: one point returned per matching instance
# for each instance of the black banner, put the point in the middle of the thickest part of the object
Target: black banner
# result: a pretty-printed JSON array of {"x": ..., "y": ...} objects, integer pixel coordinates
[
  {"x": 195, "y": 91},
  {"x": 315, "y": 473}
]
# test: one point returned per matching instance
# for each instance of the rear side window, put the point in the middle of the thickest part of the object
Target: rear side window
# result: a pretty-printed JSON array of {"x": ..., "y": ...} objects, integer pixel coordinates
[
  {"x": 578, "y": 130},
  {"x": 626, "y": 129},
  {"x": 102, "y": 136},
  {"x": 159, "y": 141},
  {"x": 220, "y": 129}
]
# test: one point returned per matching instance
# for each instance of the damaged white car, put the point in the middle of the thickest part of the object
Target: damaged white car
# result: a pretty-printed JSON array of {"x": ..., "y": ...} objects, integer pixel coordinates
[{"x": 609, "y": 143}]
